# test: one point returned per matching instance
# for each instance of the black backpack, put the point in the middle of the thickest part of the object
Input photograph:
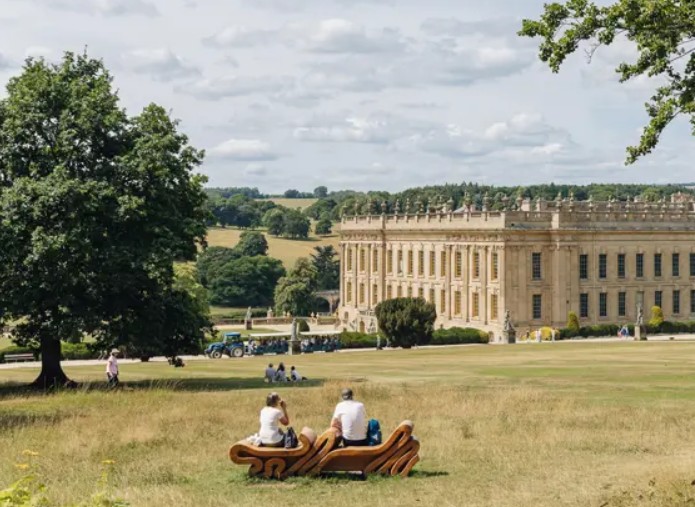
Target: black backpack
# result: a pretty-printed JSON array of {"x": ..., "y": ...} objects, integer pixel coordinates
[{"x": 291, "y": 440}]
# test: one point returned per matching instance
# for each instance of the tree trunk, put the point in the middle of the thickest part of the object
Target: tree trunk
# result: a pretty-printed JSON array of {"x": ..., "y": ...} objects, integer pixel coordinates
[{"x": 52, "y": 374}]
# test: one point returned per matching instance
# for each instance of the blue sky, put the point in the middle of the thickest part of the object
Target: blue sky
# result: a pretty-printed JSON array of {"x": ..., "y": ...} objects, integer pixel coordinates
[{"x": 362, "y": 94}]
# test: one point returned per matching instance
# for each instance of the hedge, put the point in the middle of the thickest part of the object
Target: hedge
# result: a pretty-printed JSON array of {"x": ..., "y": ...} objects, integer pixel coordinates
[
  {"x": 15, "y": 349},
  {"x": 77, "y": 351},
  {"x": 456, "y": 335},
  {"x": 601, "y": 330},
  {"x": 354, "y": 340}
]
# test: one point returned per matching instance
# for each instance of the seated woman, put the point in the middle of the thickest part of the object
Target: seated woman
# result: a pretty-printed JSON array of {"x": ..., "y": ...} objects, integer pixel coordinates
[
  {"x": 281, "y": 374},
  {"x": 272, "y": 415}
]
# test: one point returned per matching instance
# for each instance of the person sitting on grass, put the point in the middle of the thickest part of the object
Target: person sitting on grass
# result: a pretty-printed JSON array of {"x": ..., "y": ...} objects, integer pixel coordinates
[
  {"x": 294, "y": 375},
  {"x": 280, "y": 374},
  {"x": 272, "y": 415},
  {"x": 270, "y": 373},
  {"x": 350, "y": 418}
]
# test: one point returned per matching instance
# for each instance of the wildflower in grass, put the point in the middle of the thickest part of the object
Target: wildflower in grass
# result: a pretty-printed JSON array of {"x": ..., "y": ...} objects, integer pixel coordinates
[
  {"x": 21, "y": 466},
  {"x": 108, "y": 462},
  {"x": 27, "y": 452}
]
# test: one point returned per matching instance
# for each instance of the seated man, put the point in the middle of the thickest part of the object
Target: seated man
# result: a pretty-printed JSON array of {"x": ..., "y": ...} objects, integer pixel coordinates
[
  {"x": 351, "y": 417},
  {"x": 270, "y": 373},
  {"x": 295, "y": 376}
]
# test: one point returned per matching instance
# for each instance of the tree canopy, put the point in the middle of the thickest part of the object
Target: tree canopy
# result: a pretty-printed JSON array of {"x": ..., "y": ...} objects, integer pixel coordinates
[
  {"x": 251, "y": 243},
  {"x": 406, "y": 321},
  {"x": 245, "y": 281},
  {"x": 96, "y": 206},
  {"x": 327, "y": 266},
  {"x": 295, "y": 293},
  {"x": 663, "y": 32}
]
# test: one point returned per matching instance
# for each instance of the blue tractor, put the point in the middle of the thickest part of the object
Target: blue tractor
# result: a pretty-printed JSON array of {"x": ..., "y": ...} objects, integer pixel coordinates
[{"x": 231, "y": 344}]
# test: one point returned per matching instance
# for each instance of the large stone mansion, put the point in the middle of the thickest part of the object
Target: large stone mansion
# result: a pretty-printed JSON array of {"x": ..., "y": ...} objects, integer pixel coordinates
[{"x": 539, "y": 260}]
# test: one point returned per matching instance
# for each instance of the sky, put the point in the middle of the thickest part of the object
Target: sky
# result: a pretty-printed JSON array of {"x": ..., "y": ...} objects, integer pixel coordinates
[{"x": 359, "y": 94}]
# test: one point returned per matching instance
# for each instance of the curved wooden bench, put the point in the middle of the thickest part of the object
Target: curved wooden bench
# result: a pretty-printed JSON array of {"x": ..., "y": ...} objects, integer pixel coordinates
[
  {"x": 395, "y": 456},
  {"x": 272, "y": 462}
]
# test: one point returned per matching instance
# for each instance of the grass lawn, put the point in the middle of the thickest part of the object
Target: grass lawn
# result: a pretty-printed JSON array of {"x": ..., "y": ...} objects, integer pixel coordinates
[
  {"x": 287, "y": 250},
  {"x": 586, "y": 424}
]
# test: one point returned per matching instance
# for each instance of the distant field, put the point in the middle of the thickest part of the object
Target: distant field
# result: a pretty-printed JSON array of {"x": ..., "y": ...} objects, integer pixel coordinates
[
  {"x": 291, "y": 203},
  {"x": 287, "y": 250}
]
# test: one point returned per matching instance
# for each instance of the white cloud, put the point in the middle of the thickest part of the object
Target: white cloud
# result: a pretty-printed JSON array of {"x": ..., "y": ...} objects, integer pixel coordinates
[
  {"x": 255, "y": 170},
  {"x": 342, "y": 36},
  {"x": 241, "y": 37},
  {"x": 330, "y": 36},
  {"x": 235, "y": 86},
  {"x": 377, "y": 129},
  {"x": 244, "y": 149},
  {"x": 162, "y": 64},
  {"x": 106, "y": 7}
]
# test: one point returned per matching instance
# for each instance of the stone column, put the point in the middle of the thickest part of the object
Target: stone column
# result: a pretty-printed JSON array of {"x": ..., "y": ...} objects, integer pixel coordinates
[
  {"x": 484, "y": 263},
  {"x": 466, "y": 303},
  {"x": 449, "y": 271}
]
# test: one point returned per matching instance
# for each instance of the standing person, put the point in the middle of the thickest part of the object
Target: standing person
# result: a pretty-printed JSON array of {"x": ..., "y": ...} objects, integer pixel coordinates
[
  {"x": 351, "y": 417},
  {"x": 539, "y": 335},
  {"x": 112, "y": 368},
  {"x": 270, "y": 373},
  {"x": 552, "y": 334},
  {"x": 272, "y": 415}
]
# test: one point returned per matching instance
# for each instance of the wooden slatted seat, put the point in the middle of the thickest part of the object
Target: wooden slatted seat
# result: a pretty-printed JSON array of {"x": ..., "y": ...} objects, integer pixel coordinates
[
  {"x": 395, "y": 456},
  {"x": 272, "y": 462}
]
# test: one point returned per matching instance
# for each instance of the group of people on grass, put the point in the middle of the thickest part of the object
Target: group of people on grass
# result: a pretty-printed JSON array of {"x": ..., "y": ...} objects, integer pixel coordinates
[
  {"x": 349, "y": 419},
  {"x": 280, "y": 374}
]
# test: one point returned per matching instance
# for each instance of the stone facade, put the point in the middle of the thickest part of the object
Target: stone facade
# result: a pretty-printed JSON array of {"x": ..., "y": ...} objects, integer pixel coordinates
[{"x": 540, "y": 261}]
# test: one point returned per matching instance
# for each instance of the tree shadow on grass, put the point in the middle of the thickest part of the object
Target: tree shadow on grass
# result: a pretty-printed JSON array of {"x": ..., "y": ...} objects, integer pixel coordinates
[
  {"x": 10, "y": 420},
  {"x": 199, "y": 384}
]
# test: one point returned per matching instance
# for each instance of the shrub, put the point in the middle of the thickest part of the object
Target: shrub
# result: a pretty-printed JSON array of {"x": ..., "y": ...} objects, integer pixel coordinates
[
  {"x": 599, "y": 330},
  {"x": 456, "y": 335},
  {"x": 77, "y": 351},
  {"x": 354, "y": 340},
  {"x": 406, "y": 321},
  {"x": 657, "y": 317},
  {"x": 15, "y": 349},
  {"x": 572, "y": 324},
  {"x": 302, "y": 326}
]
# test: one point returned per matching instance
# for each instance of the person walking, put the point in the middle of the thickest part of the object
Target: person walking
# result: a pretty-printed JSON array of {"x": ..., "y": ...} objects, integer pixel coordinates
[{"x": 112, "y": 369}]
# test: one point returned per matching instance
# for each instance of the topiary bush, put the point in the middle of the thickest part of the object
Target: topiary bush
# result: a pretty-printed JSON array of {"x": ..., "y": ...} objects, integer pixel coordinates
[
  {"x": 657, "y": 317},
  {"x": 572, "y": 325},
  {"x": 406, "y": 321},
  {"x": 456, "y": 335}
]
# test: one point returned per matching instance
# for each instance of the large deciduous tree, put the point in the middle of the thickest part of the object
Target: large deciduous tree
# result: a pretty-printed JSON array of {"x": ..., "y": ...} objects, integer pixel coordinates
[
  {"x": 95, "y": 207},
  {"x": 295, "y": 293},
  {"x": 252, "y": 243},
  {"x": 245, "y": 281},
  {"x": 664, "y": 34}
]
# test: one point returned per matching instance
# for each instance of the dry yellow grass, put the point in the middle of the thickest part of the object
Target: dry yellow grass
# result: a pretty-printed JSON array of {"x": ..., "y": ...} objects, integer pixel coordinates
[
  {"x": 549, "y": 425},
  {"x": 287, "y": 250}
]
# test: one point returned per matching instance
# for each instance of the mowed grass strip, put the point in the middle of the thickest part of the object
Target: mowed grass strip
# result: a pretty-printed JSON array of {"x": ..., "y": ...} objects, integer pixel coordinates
[
  {"x": 604, "y": 424},
  {"x": 285, "y": 249}
]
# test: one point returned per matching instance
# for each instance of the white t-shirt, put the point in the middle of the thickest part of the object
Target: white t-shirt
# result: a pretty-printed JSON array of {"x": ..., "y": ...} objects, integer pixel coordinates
[
  {"x": 296, "y": 375},
  {"x": 270, "y": 425},
  {"x": 270, "y": 373},
  {"x": 112, "y": 365},
  {"x": 353, "y": 419}
]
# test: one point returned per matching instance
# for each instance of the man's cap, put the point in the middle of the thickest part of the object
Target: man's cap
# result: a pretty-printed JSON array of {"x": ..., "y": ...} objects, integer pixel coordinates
[
  {"x": 346, "y": 394},
  {"x": 115, "y": 351}
]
